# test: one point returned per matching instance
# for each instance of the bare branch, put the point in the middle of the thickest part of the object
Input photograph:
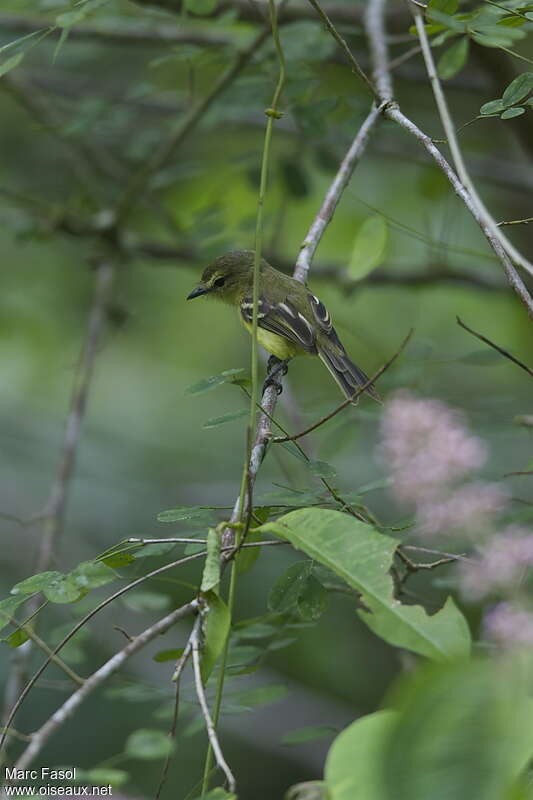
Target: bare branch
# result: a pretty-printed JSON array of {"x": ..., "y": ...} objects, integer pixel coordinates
[
  {"x": 211, "y": 732},
  {"x": 333, "y": 195},
  {"x": 503, "y": 352},
  {"x": 59, "y": 717}
]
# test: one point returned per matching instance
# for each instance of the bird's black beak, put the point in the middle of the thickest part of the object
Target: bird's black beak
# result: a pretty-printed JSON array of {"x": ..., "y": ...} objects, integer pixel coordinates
[{"x": 199, "y": 290}]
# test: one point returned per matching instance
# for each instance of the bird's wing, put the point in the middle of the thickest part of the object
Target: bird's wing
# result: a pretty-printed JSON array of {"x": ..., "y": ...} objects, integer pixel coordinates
[{"x": 283, "y": 319}]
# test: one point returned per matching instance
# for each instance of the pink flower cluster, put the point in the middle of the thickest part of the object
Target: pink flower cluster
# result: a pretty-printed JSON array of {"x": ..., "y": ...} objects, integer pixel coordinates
[
  {"x": 429, "y": 450},
  {"x": 502, "y": 563},
  {"x": 509, "y": 625}
]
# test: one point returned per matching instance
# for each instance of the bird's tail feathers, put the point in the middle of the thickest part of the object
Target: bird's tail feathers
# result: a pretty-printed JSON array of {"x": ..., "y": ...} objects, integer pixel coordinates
[{"x": 347, "y": 374}]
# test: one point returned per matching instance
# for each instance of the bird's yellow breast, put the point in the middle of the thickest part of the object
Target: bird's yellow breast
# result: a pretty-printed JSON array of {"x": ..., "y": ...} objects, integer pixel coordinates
[{"x": 277, "y": 345}]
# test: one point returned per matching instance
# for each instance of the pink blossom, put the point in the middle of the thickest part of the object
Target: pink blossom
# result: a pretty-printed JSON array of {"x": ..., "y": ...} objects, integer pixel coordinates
[
  {"x": 468, "y": 509},
  {"x": 500, "y": 566},
  {"x": 509, "y": 626},
  {"x": 427, "y": 447}
]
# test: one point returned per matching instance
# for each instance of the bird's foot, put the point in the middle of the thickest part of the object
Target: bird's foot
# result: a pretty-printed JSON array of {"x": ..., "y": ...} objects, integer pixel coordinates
[{"x": 276, "y": 368}]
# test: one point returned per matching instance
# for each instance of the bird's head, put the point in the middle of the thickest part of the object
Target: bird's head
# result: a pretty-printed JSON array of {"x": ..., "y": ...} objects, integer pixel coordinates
[{"x": 225, "y": 276}]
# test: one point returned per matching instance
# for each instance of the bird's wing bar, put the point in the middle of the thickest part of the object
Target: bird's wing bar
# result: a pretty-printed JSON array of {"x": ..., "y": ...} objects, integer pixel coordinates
[
  {"x": 321, "y": 314},
  {"x": 282, "y": 319}
]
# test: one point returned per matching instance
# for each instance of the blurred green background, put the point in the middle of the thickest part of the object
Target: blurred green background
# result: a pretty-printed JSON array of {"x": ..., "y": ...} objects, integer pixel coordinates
[{"x": 143, "y": 447}]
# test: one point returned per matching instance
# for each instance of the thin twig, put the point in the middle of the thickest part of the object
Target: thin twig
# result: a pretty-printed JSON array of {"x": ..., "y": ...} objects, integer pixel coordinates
[
  {"x": 198, "y": 541},
  {"x": 346, "y": 403},
  {"x": 496, "y": 347},
  {"x": 211, "y": 732},
  {"x": 344, "y": 47},
  {"x": 102, "y": 674}
]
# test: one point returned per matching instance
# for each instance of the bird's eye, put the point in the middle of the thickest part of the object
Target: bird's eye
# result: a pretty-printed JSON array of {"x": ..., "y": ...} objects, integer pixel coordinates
[{"x": 219, "y": 282}]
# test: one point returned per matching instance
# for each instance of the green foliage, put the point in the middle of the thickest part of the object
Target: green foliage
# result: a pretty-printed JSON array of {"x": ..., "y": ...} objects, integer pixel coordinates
[
  {"x": 102, "y": 776},
  {"x": 10, "y": 63},
  {"x": 60, "y": 587},
  {"x": 363, "y": 557},
  {"x": 369, "y": 248},
  {"x": 211, "y": 573},
  {"x": 148, "y": 745},
  {"x": 453, "y": 59},
  {"x": 206, "y": 384},
  {"x": 216, "y": 626},
  {"x": 354, "y": 767},
  {"x": 181, "y": 513},
  {"x": 298, "y": 590}
]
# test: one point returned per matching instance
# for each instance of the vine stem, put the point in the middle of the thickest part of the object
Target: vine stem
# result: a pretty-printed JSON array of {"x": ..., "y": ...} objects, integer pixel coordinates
[{"x": 246, "y": 484}]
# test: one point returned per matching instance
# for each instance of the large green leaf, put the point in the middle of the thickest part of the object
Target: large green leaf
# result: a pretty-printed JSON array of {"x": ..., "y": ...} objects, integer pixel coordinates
[
  {"x": 454, "y": 58},
  {"x": 463, "y": 731},
  {"x": 362, "y": 557},
  {"x": 354, "y": 765}
]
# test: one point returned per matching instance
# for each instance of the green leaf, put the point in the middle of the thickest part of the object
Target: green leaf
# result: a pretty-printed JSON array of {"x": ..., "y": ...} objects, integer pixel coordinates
[
  {"x": 201, "y": 7},
  {"x": 513, "y": 112},
  {"x": 91, "y": 575},
  {"x": 8, "y": 608},
  {"x": 247, "y": 556},
  {"x": 63, "y": 590},
  {"x": 185, "y": 512},
  {"x": 454, "y": 58},
  {"x": 168, "y": 655},
  {"x": 36, "y": 583},
  {"x": 216, "y": 630},
  {"x": 230, "y": 416},
  {"x": 148, "y": 744},
  {"x": 312, "y": 600},
  {"x": 284, "y": 594},
  {"x": 354, "y": 765},
  {"x": 211, "y": 573},
  {"x": 369, "y": 247},
  {"x": 311, "y": 733},
  {"x": 102, "y": 776},
  {"x": 492, "y": 107},
  {"x": 115, "y": 560},
  {"x": 450, "y": 22},
  {"x": 519, "y": 88},
  {"x": 462, "y": 731},
  {"x": 322, "y": 470},
  {"x": 212, "y": 382},
  {"x": 17, "y": 638},
  {"x": 363, "y": 557},
  {"x": 445, "y": 6},
  {"x": 11, "y": 63}
]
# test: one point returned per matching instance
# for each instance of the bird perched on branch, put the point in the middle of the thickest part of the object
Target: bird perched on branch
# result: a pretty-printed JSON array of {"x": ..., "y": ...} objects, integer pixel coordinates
[{"x": 291, "y": 321}]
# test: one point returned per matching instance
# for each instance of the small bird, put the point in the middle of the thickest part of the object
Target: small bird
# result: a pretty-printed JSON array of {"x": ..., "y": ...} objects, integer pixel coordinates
[{"x": 291, "y": 321}]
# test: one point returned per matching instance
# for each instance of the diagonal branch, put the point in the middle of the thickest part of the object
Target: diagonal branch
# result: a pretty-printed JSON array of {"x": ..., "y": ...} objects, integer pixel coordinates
[
  {"x": 457, "y": 156},
  {"x": 59, "y": 717},
  {"x": 503, "y": 352},
  {"x": 374, "y": 23}
]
